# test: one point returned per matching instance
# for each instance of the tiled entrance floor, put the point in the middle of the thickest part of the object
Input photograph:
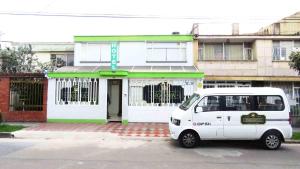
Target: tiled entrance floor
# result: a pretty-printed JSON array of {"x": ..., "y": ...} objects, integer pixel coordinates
[{"x": 132, "y": 129}]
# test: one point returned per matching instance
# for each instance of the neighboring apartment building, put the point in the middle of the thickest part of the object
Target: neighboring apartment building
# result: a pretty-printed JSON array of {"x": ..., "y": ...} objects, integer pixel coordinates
[
  {"x": 58, "y": 53},
  {"x": 287, "y": 26},
  {"x": 250, "y": 60},
  {"x": 137, "y": 78}
]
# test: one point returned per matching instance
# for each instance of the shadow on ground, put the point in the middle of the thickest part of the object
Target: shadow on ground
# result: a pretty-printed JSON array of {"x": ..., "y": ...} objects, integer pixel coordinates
[{"x": 246, "y": 145}]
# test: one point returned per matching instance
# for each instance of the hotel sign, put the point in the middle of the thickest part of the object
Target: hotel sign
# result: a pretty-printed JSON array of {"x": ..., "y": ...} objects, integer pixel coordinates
[
  {"x": 113, "y": 56},
  {"x": 253, "y": 118}
]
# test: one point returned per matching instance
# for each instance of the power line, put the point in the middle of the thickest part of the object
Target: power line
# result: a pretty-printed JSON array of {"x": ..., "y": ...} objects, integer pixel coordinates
[{"x": 125, "y": 16}]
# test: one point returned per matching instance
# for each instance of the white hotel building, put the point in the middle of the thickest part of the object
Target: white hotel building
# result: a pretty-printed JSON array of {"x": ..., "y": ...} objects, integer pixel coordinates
[{"x": 124, "y": 78}]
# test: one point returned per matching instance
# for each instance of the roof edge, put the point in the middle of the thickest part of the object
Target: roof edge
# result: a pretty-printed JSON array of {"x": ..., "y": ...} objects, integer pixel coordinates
[{"x": 128, "y": 38}]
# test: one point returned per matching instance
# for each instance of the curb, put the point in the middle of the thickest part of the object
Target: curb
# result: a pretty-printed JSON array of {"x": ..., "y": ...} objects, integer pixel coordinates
[
  {"x": 6, "y": 135},
  {"x": 292, "y": 141}
]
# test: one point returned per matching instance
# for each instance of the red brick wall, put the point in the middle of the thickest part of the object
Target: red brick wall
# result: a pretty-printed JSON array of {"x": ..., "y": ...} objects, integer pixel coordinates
[
  {"x": 4, "y": 96},
  {"x": 20, "y": 116}
]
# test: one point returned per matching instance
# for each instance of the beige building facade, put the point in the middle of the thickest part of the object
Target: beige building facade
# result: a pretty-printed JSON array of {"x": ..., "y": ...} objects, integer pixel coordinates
[
  {"x": 242, "y": 61},
  {"x": 257, "y": 60},
  {"x": 287, "y": 26}
]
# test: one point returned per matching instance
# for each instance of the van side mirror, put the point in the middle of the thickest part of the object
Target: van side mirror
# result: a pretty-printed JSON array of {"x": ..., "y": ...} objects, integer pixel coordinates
[{"x": 198, "y": 109}]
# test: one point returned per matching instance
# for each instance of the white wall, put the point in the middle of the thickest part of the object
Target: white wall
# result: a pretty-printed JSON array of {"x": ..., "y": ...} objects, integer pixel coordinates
[
  {"x": 55, "y": 111},
  {"x": 131, "y": 54},
  {"x": 125, "y": 99},
  {"x": 149, "y": 113}
]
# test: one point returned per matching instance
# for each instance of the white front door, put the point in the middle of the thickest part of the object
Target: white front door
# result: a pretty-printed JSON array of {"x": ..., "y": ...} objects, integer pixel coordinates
[
  {"x": 234, "y": 109},
  {"x": 209, "y": 122}
]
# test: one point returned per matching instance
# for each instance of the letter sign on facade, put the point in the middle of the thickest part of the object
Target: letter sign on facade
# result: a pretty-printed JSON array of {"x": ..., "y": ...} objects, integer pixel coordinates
[{"x": 114, "y": 56}]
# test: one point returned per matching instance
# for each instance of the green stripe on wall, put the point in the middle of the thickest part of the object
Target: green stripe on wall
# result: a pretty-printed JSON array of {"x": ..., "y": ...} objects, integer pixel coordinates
[
  {"x": 165, "y": 75},
  {"x": 128, "y": 38},
  {"x": 126, "y": 74},
  {"x": 94, "y": 121},
  {"x": 125, "y": 122},
  {"x": 73, "y": 74}
]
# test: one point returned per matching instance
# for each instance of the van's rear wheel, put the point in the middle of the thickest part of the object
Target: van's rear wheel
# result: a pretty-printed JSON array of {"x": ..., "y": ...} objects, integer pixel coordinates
[
  {"x": 188, "y": 139},
  {"x": 272, "y": 140}
]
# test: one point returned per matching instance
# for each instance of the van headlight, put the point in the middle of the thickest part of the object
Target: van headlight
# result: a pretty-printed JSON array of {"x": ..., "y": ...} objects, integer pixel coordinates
[{"x": 176, "y": 122}]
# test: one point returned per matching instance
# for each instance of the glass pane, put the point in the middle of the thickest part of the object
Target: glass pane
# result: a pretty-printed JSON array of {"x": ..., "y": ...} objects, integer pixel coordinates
[
  {"x": 105, "y": 52},
  {"x": 210, "y": 103},
  {"x": 61, "y": 60},
  {"x": 70, "y": 60},
  {"x": 276, "y": 44},
  {"x": 297, "y": 44},
  {"x": 238, "y": 103},
  {"x": 276, "y": 53},
  {"x": 283, "y": 53},
  {"x": 93, "y": 52},
  {"x": 156, "y": 54},
  {"x": 269, "y": 103},
  {"x": 218, "y": 52},
  {"x": 209, "y": 52},
  {"x": 236, "y": 52},
  {"x": 176, "y": 55}
]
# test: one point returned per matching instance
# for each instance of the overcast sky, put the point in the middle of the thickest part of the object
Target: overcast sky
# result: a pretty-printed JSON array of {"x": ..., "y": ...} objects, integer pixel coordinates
[{"x": 214, "y": 16}]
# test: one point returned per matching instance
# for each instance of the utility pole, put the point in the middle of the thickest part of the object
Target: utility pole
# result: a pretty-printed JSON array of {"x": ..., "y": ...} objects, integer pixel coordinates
[{"x": 0, "y": 38}]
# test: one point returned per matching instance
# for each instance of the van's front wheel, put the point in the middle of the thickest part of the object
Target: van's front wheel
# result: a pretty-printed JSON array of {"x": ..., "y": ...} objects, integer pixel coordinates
[
  {"x": 271, "y": 140},
  {"x": 188, "y": 139}
]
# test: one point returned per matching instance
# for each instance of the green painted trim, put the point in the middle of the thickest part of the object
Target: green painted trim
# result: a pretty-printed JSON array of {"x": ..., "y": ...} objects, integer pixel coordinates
[
  {"x": 94, "y": 121},
  {"x": 118, "y": 73},
  {"x": 125, "y": 122},
  {"x": 165, "y": 75},
  {"x": 123, "y": 73},
  {"x": 133, "y": 38},
  {"x": 73, "y": 74}
]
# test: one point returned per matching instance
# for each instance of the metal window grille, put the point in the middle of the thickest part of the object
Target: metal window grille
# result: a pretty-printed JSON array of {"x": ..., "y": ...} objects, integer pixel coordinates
[
  {"x": 248, "y": 54},
  {"x": 295, "y": 109},
  {"x": 26, "y": 94},
  {"x": 225, "y": 84},
  {"x": 77, "y": 91},
  {"x": 159, "y": 92}
]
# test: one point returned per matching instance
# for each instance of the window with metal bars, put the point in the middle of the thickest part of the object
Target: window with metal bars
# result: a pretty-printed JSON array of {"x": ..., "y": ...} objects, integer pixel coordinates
[
  {"x": 77, "y": 91},
  {"x": 159, "y": 92},
  {"x": 26, "y": 94}
]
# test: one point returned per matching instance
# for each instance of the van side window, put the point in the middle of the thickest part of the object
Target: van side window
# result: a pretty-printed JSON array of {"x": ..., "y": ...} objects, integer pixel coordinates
[
  {"x": 238, "y": 103},
  {"x": 211, "y": 103},
  {"x": 268, "y": 103}
]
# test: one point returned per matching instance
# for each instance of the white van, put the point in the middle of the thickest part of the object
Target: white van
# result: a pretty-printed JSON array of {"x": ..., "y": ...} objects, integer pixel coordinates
[{"x": 233, "y": 114}]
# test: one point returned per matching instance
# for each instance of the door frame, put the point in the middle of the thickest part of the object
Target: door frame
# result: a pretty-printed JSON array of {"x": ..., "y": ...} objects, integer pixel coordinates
[{"x": 109, "y": 84}]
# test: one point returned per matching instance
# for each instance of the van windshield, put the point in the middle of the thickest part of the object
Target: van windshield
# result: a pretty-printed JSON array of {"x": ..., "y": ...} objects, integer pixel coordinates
[{"x": 188, "y": 103}]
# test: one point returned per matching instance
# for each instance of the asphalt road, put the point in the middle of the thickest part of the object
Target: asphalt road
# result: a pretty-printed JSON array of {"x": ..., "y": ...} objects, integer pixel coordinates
[{"x": 141, "y": 153}]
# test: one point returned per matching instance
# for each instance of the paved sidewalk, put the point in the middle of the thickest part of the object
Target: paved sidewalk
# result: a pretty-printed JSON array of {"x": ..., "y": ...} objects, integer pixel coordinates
[
  {"x": 132, "y": 129},
  {"x": 296, "y": 129}
]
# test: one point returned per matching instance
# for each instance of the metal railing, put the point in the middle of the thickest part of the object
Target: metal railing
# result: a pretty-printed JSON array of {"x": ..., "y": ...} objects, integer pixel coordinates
[
  {"x": 164, "y": 92},
  {"x": 295, "y": 111},
  {"x": 77, "y": 91},
  {"x": 26, "y": 94}
]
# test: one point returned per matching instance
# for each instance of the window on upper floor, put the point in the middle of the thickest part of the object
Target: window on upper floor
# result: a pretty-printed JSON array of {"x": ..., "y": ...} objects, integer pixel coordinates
[
  {"x": 166, "y": 52},
  {"x": 96, "y": 52},
  {"x": 60, "y": 60},
  {"x": 283, "y": 49},
  {"x": 225, "y": 51}
]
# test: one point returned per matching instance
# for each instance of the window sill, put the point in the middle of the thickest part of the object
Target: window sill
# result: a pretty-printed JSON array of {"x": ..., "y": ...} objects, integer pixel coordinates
[
  {"x": 280, "y": 61},
  {"x": 96, "y": 62},
  {"x": 226, "y": 60},
  {"x": 166, "y": 61}
]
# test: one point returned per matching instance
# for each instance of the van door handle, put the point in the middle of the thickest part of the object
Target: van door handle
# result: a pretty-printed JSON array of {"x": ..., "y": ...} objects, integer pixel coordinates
[
  {"x": 228, "y": 118},
  {"x": 218, "y": 117}
]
